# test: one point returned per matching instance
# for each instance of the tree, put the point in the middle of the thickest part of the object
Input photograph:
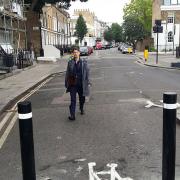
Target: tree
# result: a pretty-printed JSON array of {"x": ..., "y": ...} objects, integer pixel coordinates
[
  {"x": 141, "y": 10},
  {"x": 113, "y": 33},
  {"x": 108, "y": 35},
  {"x": 81, "y": 28},
  {"x": 133, "y": 29},
  {"x": 116, "y": 32},
  {"x": 38, "y": 4}
]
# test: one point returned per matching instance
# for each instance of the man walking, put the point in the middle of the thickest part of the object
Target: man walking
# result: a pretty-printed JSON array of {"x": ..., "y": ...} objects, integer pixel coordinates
[{"x": 77, "y": 81}]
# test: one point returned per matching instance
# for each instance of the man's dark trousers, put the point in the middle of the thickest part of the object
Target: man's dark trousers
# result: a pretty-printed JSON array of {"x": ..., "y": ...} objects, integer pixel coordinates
[{"x": 73, "y": 91}]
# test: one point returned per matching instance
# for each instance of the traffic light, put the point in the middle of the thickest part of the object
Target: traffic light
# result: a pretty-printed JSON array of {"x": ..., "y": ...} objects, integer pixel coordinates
[{"x": 158, "y": 22}]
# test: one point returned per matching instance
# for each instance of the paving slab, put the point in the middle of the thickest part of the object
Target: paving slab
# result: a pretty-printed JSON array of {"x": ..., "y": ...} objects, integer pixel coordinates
[{"x": 20, "y": 81}]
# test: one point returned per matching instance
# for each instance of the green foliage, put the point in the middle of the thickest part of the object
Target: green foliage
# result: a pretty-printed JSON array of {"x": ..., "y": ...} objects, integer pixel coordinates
[
  {"x": 81, "y": 28},
  {"x": 116, "y": 32},
  {"x": 108, "y": 35},
  {"x": 62, "y": 3},
  {"x": 113, "y": 33},
  {"x": 152, "y": 49},
  {"x": 133, "y": 29},
  {"x": 141, "y": 9}
]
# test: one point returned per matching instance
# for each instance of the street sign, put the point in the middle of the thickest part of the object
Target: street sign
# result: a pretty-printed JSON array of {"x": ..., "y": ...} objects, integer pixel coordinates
[{"x": 157, "y": 29}]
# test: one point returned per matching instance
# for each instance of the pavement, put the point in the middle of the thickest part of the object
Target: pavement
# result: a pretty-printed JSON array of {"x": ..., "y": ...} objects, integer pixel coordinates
[
  {"x": 14, "y": 84},
  {"x": 165, "y": 60}
]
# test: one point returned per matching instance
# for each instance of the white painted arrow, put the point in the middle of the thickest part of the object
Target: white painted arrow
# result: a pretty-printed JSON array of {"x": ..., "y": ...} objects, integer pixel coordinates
[{"x": 150, "y": 104}]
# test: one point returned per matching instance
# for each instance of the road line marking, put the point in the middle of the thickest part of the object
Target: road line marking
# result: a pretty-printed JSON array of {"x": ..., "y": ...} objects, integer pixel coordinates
[
  {"x": 15, "y": 117},
  {"x": 5, "y": 119},
  {"x": 50, "y": 89},
  {"x": 7, "y": 131},
  {"x": 114, "y": 91}
]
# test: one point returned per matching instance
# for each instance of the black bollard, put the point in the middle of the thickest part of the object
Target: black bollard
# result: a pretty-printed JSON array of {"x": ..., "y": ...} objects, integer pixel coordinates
[
  {"x": 26, "y": 140},
  {"x": 169, "y": 135}
]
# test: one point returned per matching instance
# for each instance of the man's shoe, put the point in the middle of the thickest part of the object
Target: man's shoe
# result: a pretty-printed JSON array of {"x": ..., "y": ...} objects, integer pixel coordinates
[
  {"x": 82, "y": 112},
  {"x": 72, "y": 118}
]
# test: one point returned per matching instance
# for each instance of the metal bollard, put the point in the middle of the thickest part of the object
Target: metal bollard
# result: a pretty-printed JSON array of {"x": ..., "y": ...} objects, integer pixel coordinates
[
  {"x": 26, "y": 140},
  {"x": 169, "y": 135}
]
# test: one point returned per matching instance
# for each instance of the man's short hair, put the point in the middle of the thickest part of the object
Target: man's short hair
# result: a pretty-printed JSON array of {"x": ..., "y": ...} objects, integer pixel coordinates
[{"x": 75, "y": 48}]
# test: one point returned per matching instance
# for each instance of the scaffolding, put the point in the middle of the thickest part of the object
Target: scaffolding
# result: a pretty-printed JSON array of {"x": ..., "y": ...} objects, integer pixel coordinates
[
  {"x": 13, "y": 35},
  {"x": 12, "y": 24}
]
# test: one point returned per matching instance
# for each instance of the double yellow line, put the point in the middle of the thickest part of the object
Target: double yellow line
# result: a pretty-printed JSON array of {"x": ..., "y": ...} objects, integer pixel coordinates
[{"x": 12, "y": 115}]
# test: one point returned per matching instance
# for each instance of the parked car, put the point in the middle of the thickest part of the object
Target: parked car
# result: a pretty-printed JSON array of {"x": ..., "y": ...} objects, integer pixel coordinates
[
  {"x": 108, "y": 46},
  {"x": 121, "y": 46},
  {"x": 127, "y": 49},
  {"x": 84, "y": 50},
  {"x": 103, "y": 46},
  {"x": 98, "y": 45}
]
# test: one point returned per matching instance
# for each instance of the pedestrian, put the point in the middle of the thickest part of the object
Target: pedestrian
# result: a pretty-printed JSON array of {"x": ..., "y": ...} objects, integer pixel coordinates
[
  {"x": 62, "y": 51},
  {"x": 77, "y": 81},
  {"x": 134, "y": 48}
]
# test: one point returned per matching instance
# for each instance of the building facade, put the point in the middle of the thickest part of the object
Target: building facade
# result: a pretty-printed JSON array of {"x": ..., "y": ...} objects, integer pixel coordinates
[
  {"x": 55, "y": 26},
  {"x": 48, "y": 31},
  {"x": 95, "y": 27},
  {"x": 12, "y": 25},
  {"x": 168, "y": 11}
]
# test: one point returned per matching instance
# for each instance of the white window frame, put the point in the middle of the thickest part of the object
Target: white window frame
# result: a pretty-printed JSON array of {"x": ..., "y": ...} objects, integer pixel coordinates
[{"x": 170, "y": 36}]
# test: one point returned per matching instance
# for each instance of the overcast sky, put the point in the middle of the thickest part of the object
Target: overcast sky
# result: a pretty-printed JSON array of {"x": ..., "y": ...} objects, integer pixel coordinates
[{"x": 105, "y": 10}]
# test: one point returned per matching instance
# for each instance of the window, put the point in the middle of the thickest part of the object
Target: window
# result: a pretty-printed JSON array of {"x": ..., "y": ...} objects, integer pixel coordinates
[
  {"x": 170, "y": 36},
  {"x": 170, "y": 19},
  {"x": 167, "y": 2},
  {"x": 170, "y": 2},
  {"x": 173, "y": 1}
]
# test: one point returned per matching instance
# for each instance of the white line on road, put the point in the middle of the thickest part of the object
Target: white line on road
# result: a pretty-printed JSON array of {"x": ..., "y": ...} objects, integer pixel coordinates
[
  {"x": 114, "y": 91},
  {"x": 50, "y": 89}
]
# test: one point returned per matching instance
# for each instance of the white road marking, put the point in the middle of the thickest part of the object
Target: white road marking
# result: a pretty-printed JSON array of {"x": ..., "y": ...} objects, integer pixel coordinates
[
  {"x": 93, "y": 175},
  {"x": 79, "y": 160},
  {"x": 59, "y": 137},
  {"x": 79, "y": 169},
  {"x": 166, "y": 106},
  {"x": 135, "y": 100},
  {"x": 50, "y": 89},
  {"x": 63, "y": 171},
  {"x": 150, "y": 104},
  {"x": 62, "y": 157},
  {"x": 116, "y": 91}
]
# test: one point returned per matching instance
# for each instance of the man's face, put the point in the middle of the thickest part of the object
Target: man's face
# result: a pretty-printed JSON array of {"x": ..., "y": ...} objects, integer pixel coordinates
[{"x": 76, "y": 54}]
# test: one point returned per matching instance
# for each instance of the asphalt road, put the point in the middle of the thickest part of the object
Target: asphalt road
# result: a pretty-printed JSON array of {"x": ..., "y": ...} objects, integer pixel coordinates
[{"x": 116, "y": 128}]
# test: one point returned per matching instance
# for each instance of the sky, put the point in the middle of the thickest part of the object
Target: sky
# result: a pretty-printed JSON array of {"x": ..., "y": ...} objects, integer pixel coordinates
[{"x": 105, "y": 10}]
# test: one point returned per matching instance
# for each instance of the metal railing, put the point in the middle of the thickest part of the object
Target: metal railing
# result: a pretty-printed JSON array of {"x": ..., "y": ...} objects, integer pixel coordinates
[{"x": 19, "y": 58}]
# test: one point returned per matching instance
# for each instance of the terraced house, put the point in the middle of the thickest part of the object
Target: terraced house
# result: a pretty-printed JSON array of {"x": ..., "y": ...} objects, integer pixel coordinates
[
  {"x": 12, "y": 25},
  {"x": 55, "y": 29},
  {"x": 169, "y": 12}
]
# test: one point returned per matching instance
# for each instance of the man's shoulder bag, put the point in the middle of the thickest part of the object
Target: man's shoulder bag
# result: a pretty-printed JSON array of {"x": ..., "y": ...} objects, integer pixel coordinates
[{"x": 71, "y": 80}]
